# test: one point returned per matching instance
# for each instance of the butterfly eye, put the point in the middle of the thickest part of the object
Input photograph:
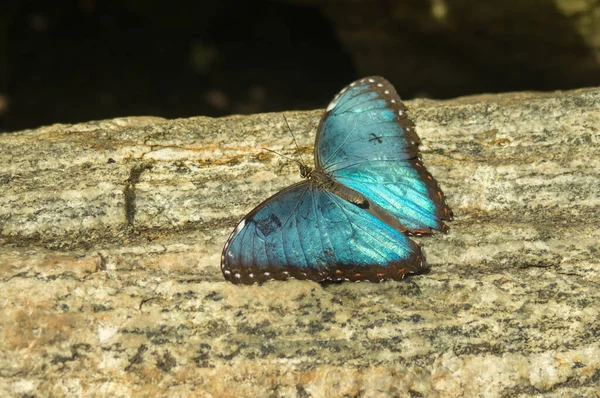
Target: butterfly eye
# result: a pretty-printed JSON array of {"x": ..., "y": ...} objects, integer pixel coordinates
[{"x": 304, "y": 170}]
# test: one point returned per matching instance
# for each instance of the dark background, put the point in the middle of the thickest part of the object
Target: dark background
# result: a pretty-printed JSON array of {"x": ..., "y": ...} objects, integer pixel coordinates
[{"x": 70, "y": 61}]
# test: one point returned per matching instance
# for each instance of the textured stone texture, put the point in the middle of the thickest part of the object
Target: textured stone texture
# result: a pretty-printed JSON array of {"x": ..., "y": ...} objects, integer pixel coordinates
[{"x": 111, "y": 233}]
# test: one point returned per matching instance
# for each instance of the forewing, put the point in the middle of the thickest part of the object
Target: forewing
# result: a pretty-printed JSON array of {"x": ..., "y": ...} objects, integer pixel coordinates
[
  {"x": 366, "y": 121},
  {"x": 367, "y": 142},
  {"x": 308, "y": 233}
]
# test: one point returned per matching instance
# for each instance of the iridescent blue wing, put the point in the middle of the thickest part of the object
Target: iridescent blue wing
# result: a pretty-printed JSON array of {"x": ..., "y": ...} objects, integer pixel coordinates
[
  {"x": 308, "y": 233},
  {"x": 366, "y": 142}
]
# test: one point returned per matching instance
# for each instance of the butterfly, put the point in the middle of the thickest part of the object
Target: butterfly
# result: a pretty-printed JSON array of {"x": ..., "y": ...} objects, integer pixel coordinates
[{"x": 348, "y": 219}]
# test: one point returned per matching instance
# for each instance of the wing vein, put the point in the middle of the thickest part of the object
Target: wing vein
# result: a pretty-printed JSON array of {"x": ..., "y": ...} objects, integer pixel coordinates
[
  {"x": 317, "y": 220},
  {"x": 362, "y": 229},
  {"x": 339, "y": 148},
  {"x": 298, "y": 232},
  {"x": 356, "y": 105},
  {"x": 363, "y": 162}
]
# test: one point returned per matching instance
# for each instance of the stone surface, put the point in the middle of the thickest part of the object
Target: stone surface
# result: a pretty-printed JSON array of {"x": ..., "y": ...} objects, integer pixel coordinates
[{"x": 111, "y": 234}]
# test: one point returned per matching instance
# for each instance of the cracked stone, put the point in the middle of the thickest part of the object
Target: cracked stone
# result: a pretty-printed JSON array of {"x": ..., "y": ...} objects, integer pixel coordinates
[{"x": 510, "y": 307}]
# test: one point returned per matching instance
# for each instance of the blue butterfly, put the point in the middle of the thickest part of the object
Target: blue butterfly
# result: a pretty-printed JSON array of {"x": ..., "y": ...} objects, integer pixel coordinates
[{"x": 348, "y": 219}]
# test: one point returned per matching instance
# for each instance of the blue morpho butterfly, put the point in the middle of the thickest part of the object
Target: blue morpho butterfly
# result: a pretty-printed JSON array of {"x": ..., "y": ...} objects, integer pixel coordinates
[{"x": 348, "y": 219}]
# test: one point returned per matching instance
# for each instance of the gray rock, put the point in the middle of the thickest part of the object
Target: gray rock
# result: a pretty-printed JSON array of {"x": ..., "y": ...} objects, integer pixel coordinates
[{"x": 111, "y": 234}]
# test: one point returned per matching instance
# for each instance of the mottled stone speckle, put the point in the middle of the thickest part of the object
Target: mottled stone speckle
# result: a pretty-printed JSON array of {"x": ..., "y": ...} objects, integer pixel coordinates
[{"x": 110, "y": 240}]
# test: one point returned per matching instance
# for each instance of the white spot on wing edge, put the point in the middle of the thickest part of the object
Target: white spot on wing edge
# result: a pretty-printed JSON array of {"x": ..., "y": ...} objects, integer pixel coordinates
[
  {"x": 241, "y": 225},
  {"x": 331, "y": 105}
]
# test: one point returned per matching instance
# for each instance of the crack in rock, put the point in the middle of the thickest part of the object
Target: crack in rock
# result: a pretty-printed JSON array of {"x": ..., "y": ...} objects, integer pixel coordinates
[{"x": 129, "y": 191}]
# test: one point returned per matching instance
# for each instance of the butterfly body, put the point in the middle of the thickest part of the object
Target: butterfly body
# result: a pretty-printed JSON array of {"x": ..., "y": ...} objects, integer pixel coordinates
[{"x": 349, "y": 218}]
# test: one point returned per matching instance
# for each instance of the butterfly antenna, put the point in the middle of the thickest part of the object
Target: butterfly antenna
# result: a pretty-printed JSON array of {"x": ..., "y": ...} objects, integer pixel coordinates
[
  {"x": 283, "y": 156},
  {"x": 295, "y": 142}
]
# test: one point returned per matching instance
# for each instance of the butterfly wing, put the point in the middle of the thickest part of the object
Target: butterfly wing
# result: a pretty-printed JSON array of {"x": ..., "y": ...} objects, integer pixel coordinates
[
  {"x": 309, "y": 233},
  {"x": 366, "y": 142}
]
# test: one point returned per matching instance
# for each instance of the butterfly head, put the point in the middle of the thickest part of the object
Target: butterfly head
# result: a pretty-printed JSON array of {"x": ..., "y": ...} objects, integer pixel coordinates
[{"x": 305, "y": 170}]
